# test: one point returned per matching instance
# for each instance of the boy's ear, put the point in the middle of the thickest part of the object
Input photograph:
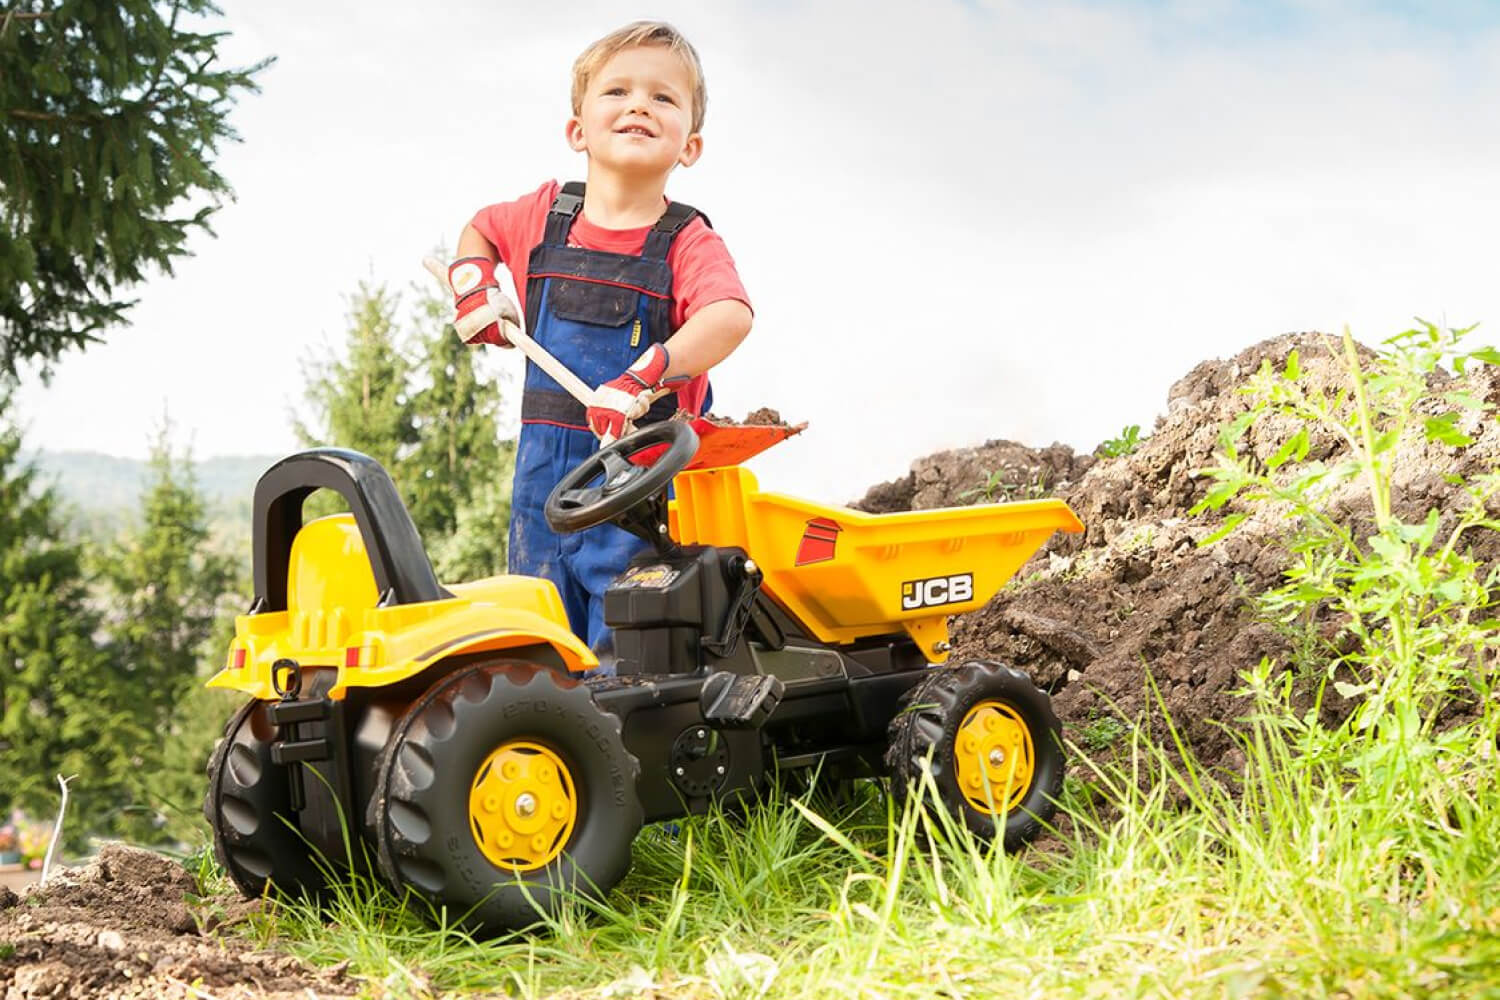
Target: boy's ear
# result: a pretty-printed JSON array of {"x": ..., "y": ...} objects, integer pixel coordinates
[
  {"x": 691, "y": 150},
  {"x": 574, "y": 132}
]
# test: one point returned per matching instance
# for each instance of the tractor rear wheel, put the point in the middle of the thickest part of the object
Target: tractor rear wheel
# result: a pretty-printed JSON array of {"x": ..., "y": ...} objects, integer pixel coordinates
[
  {"x": 249, "y": 809},
  {"x": 991, "y": 743},
  {"x": 504, "y": 790}
]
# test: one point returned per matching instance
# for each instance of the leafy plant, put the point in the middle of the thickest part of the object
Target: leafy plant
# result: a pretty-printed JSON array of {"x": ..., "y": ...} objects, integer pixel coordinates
[
  {"x": 1126, "y": 443},
  {"x": 985, "y": 492},
  {"x": 1408, "y": 595},
  {"x": 1100, "y": 732},
  {"x": 998, "y": 484}
]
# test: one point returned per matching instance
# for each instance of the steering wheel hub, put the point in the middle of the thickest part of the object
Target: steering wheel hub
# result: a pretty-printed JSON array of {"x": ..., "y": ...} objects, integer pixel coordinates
[{"x": 624, "y": 482}]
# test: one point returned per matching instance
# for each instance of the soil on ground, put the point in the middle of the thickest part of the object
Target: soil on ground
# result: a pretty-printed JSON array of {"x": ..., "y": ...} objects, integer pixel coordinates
[
  {"x": 1089, "y": 617},
  {"x": 130, "y": 925}
]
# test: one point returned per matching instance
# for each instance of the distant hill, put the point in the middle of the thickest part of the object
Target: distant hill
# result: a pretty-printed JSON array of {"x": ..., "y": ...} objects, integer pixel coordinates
[{"x": 109, "y": 486}]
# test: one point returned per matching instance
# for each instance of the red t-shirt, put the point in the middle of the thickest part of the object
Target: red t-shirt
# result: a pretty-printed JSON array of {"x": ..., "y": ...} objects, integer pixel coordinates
[{"x": 702, "y": 270}]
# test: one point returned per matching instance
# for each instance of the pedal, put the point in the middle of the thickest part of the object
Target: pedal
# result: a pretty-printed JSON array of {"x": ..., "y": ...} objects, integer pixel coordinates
[
  {"x": 285, "y": 713},
  {"x": 284, "y": 752},
  {"x": 739, "y": 701}
]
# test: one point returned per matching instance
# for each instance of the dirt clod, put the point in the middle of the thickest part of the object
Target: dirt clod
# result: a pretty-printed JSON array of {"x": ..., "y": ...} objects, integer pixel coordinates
[
  {"x": 122, "y": 927},
  {"x": 989, "y": 473},
  {"x": 763, "y": 417}
]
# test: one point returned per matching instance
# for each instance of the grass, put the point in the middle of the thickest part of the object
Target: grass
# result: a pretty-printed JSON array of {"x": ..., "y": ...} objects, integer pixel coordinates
[
  {"x": 1353, "y": 861},
  {"x": 1306, "y": 876}
]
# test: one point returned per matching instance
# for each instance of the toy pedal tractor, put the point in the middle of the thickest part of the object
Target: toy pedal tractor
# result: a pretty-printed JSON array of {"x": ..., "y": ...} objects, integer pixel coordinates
[{"x": 447, "y": 728}]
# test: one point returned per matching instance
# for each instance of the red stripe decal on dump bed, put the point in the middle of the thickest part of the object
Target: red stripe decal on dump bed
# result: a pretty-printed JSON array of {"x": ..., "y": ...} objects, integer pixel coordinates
[{"x": 819, "y": 541}]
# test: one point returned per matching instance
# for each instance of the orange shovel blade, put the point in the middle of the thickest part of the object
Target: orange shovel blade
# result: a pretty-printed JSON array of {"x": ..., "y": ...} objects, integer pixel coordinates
[{"x": 722, "y": 444}]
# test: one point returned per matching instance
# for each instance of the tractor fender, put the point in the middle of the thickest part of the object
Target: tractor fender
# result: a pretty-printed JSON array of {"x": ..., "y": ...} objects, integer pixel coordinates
[{"x": 519, "y": 629}]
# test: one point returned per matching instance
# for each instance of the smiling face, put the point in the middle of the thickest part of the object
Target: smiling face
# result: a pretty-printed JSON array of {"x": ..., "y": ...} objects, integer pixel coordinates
[{"x": 636, "y": 115}]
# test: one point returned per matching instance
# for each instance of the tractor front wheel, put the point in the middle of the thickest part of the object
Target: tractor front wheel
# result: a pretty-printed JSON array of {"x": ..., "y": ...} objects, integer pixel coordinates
[
  {"x": 249, "y": 809},
  {"x": 991, "y": 744},
  {"x": 504, "y": 790}
]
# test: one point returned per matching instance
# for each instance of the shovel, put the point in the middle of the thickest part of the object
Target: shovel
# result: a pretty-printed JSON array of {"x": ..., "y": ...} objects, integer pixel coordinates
[{"x": 721, "y": 443}]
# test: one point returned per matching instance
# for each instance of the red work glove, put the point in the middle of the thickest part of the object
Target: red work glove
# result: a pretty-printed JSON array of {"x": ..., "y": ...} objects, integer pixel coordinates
[
  {"x": 625, "y": 398},
  {"x": 474, "y": 287}
]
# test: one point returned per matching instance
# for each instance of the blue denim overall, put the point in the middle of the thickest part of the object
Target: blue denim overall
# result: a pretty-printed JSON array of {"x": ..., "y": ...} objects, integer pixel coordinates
[{"x": 595, "y": 312}]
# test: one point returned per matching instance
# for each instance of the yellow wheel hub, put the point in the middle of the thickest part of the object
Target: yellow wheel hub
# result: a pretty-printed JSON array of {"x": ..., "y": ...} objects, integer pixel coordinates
[
  {"x": 522, "y": 806},
  {"x": 994, "y": 757}
]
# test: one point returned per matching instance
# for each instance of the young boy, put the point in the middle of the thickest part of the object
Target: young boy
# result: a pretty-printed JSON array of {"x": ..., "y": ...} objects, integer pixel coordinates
[{"x": 633, "y": 293}]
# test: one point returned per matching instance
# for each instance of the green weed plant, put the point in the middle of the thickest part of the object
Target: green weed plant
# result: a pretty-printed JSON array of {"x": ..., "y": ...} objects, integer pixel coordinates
[
  {"x": 1127, "y": 442},
  {"x": 1407, "y": 597},
  {"x": 998, "y": 486}
]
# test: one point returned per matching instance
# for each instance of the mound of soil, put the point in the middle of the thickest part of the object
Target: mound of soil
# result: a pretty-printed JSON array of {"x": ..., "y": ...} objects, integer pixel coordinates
[
  {"x": 1090, "y": 615},
  {"x": 125, "y": 926}
]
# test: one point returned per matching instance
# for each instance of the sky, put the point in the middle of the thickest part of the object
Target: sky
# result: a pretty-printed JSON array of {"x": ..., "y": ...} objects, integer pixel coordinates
[{"x": 958, "y": 220}]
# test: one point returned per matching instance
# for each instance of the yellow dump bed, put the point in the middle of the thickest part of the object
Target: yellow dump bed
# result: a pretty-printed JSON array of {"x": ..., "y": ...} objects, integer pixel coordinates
[{"x": 846, "y": 574}]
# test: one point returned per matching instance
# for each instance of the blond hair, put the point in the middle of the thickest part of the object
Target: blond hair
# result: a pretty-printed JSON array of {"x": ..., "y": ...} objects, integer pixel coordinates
[{"x": 631, "y": 36}]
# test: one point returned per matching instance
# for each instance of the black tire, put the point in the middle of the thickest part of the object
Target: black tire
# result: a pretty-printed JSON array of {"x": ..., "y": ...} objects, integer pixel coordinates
[
  {"x": 249, "y": 807},
  {"x": 923, "y": 739},
  {"x": 421, "y": 810}
]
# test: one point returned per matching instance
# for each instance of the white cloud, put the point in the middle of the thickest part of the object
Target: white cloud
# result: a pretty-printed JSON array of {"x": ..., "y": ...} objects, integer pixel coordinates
[{"x": 957, "y": 222}]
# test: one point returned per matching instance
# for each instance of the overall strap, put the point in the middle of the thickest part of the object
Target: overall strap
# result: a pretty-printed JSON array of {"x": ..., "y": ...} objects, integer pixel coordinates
[
  {"x": 565, "y": 209},
  {"x": 673, "y": 221},
  {"x": 569, "y": 202}
]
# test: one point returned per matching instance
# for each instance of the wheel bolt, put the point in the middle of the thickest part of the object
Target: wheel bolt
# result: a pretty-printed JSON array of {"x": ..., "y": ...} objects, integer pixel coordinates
[
  {"x": 525, "y": 804},
  {"x": 997, "y": 757},
  {"x": 491, "y": 803}
]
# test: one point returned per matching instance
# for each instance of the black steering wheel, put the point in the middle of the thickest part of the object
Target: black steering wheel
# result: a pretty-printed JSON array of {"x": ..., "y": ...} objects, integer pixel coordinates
[{"x": 607, "y": 483}]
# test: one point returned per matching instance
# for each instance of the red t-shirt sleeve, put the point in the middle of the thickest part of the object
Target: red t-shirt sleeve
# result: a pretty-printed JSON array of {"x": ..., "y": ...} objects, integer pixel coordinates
[{"x": 702, "y": 272}]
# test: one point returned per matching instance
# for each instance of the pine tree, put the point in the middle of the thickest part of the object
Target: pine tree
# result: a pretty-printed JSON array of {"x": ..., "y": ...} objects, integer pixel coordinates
[
  {"x": 165, "y": 583},
  {"x": 64, "y": 708},
  {"x": 477, "y": 546},
  {"x": 362, "y": 400},
  {"x": 432, "y": 424},
  {"x": 460, "y": 470},
  {"x": 113, "y": 113}
]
